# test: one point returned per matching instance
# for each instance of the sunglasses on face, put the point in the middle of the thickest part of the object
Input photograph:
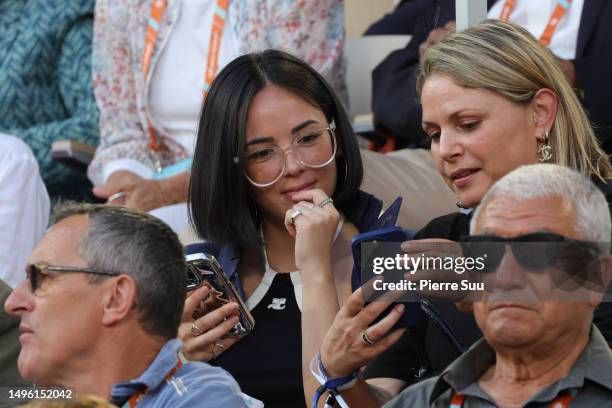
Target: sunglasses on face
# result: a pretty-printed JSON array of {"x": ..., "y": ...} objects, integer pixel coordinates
[
  {"x": 534, "y": 252},
  {"x": 36, "y": 272}
]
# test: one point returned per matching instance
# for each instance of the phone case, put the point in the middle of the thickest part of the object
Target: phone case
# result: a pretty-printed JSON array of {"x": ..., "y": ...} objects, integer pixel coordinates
[
  {"x": 396, "y": 235},
  {"x": 204, "y": 269}
]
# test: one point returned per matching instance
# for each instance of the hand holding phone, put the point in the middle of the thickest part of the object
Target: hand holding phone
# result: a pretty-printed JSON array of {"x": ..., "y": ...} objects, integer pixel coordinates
[
  {"x": 396, "y": 236},
  {"x": 204, "y": 270}
]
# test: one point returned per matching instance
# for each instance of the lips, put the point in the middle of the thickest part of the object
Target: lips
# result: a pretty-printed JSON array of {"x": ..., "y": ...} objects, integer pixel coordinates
[
  {"x": 294, "y": 189},
  {"x": 462, "y": 177},
  {"x": 25, "y": 332},
  {"x": 25, "y": 329},
  {"x": 511, "y": 306}
]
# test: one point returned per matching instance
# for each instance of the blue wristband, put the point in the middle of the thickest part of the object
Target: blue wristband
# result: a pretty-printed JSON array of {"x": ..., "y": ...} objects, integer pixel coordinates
[{"x": 332, "y": 384}]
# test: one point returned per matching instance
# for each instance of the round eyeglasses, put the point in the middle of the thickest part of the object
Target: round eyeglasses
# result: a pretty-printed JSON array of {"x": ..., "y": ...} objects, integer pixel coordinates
[{"x": 264, "y": 162}]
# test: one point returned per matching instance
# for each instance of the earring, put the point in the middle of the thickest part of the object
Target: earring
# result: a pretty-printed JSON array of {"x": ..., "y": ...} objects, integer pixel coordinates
[
  {"x": 545, "y": 150},
  {"x": 459, "y": 203},
  {"x": 343, "y": 177},
  {"x": 345, "y": 170}
]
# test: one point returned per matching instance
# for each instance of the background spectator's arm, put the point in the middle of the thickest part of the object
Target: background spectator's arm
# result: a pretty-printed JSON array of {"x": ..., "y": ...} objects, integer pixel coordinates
[
  {"x": 124, "y": 144},
  {"x": 402, "y": 21},
  {"x": 394, "y": 100},
  {"x": 593, "y": 80},
  {"x": 24, "y": 208}
]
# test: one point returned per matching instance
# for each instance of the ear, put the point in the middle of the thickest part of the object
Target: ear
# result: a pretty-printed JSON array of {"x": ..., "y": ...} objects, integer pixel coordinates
[
  {"x": 544, "y": 111},
  {"x": 119, "y": 299},
  {"x": 603, "y": 269}
]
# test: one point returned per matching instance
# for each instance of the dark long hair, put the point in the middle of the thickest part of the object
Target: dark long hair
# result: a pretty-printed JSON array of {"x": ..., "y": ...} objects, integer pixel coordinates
[{"x": 221, "y": 209}]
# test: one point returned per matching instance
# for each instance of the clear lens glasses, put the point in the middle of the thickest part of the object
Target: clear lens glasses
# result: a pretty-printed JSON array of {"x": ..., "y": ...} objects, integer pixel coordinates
[{"x": 313, "y": 147}]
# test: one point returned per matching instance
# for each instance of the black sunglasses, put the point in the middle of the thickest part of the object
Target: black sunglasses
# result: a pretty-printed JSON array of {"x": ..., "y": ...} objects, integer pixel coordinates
[
  {"x": 534, "y": 252},
  {"x": 34, "y": 272}
]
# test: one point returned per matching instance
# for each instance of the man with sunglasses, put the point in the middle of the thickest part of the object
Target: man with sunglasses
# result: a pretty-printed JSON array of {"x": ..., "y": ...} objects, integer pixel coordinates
[
  {"x": 545, "y": 230},
  {"x": 538, "y": 350},
  {"x": 100, "y": 308}
]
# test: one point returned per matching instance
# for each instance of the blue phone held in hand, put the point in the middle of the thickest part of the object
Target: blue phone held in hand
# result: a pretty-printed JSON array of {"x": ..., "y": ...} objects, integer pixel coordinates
[{"x": 386, "y": 232}]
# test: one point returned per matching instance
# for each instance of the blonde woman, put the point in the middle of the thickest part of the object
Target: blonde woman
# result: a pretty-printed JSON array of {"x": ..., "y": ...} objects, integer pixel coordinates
[{"x": 493, "y": 99}]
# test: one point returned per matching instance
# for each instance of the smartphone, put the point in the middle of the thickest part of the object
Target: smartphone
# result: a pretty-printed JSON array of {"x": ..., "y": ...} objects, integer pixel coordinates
[
  {"x": 204, "y": 269},
  {"x": 394, "y": 235}
]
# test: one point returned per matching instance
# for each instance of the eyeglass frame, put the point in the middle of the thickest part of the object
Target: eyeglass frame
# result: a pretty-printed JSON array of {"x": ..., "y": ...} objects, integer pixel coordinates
[
  {"x": 536, "y": 237},
  {"x": 331, "y": 129},
  {"x": 40, "y": 266}
]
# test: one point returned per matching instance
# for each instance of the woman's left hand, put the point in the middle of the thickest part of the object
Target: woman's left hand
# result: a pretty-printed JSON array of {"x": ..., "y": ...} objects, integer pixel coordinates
[
  {"x": 314, "y": 229},
  {"x": 344, "y": 349}
]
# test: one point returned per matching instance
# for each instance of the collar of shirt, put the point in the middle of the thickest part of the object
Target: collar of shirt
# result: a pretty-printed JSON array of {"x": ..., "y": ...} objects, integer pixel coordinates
[
  {"x": 153, "y": 376},
  {"x": 594, "y": 364}
]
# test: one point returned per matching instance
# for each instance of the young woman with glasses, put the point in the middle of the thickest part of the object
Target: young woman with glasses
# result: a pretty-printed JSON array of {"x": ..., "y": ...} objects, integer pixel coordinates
[{"x": 275, "y": 193}]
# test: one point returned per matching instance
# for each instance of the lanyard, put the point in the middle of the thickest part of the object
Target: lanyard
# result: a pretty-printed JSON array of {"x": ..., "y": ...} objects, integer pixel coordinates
[
  {"x": 562, "y": 401},
  {"x": 212, "y": 64},
  {"x": 559, "y": 11},
  {"x": 135, "y": 398}
]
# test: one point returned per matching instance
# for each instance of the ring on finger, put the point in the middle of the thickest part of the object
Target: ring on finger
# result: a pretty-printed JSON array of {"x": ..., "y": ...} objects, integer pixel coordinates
[
  {"x": 195, "y": 330},
  {"x": 296, "y": 213},
  {"x": 328, "y": 200},
  {"x": 366, "y": 339},
  {"x": 215, "y": 346},
  {"x": 115, "y": 196}
]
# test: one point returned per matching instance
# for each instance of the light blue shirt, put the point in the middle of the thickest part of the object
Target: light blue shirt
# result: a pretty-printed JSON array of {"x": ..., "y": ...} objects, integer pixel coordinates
[{"x": 195, "y": 384}]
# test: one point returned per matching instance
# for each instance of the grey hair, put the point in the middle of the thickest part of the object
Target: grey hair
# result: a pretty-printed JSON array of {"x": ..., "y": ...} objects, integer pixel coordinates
[
  {"x": 553, "y": 180},
  {"x": 141, "y": 246}
]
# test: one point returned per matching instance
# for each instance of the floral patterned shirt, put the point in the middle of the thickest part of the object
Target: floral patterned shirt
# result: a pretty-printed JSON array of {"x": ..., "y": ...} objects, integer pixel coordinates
[{"x": 313, "y": 30}]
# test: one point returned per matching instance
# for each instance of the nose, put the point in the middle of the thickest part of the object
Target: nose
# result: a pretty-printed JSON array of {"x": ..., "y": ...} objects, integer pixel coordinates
[
  {"x": 509, "y": 275},
  {"x": 19, "y": 301},
  {"x": 293, "y": 166},
  {"x": 449, "y": 147}
]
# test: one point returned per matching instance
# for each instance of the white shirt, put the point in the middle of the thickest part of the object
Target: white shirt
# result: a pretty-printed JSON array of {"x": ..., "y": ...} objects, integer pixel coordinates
[
  {"x": 24, "y": 208},
  {"x": 533, "y": 15},
  {"x": 176, "y": 83}
]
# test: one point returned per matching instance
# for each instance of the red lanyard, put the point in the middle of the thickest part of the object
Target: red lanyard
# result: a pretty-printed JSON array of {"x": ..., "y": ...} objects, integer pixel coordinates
[
  {"x": 562, "y": 401},
  {"x": 135, "y": 398},
  {"x": 553, "y": 21},
  {"x": 212, "y": 64}
]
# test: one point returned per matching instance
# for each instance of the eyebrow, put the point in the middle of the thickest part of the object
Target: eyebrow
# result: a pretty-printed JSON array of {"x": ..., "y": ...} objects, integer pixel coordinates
[
  {"x": 454, "y": 115},
  {"x": 294, "y": 130},
  {"x": 303, "y": 125}
]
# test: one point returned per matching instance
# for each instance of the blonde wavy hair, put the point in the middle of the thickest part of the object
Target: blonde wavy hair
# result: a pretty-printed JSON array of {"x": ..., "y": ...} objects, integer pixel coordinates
[{"x": 505, "y": 58}]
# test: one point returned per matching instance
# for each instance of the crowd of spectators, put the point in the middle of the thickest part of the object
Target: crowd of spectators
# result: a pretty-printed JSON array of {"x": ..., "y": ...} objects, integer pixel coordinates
[{"x": 222, "y": 134}]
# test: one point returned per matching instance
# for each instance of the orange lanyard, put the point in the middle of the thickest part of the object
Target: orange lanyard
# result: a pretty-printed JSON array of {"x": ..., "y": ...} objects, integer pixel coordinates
[
  {"x": 553, "y": 21},
  {"x": 212, "y": 64},
  {"x": 562, "y": 401},
  {"x": 135, "y": 398}
]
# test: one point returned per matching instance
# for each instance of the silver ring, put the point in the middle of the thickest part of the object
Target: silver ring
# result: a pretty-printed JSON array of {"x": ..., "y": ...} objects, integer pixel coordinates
[
  {"x": 221, "y": 346},
  {"x": 366, "y": 339},
  {"x": 323, "y": 203},
  {"x": 195, "y": 330},
  {"x": 296, "y": 213},
  {"x": 115, "y": 196}
]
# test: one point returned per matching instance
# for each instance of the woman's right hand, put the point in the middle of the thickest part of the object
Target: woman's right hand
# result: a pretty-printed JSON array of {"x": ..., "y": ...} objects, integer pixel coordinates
[
  {"x": 435, "y": 36},
  {"x": 212, "y": 325},
  {"x": 313, "y": 230},
  {"x": 344, "y": 350}
]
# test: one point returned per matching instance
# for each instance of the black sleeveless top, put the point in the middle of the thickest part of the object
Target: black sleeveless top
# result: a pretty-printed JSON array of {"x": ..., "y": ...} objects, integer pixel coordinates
[{"x": 268, "y": 363}]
